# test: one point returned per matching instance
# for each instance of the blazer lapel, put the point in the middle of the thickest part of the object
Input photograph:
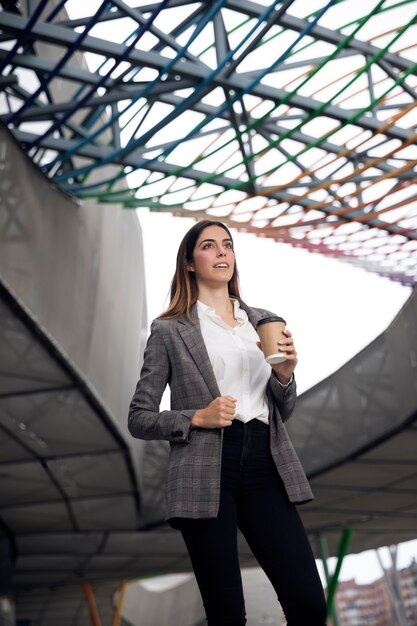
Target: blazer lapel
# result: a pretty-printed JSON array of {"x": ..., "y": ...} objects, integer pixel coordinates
[
  {"x": 254, "y": 316},
  {"x": 191, "y": 335}
]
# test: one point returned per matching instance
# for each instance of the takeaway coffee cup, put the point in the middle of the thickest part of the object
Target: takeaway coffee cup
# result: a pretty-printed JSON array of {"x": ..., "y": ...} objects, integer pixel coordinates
[{"x": 270, "y": 332}]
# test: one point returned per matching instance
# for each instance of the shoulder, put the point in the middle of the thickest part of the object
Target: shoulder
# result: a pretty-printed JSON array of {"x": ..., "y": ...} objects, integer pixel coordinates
[
  {"x": 262, "y": 312},
  {"x": 170, "y": 327},
  {"x": 256, "y": 313},
  {"x": 161, "y": 333},
  {"x": 163, "y": 326}
]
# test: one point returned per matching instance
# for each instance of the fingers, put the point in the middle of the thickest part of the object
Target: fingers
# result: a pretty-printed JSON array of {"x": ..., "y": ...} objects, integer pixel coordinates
[
  {"x": 227, "y": 405},
  {"x": 288, "y": 338},
  {"x": 226, "y": 410},
  {"x": 228, "y": 414},
  {"x": 218, "y": 414},
  {"x": 289, "y": 351},
  {"x": 287, "y": 345}
]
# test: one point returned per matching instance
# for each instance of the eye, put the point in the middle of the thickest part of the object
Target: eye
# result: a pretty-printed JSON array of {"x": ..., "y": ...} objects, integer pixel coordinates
[
  {"x": 207, "y": 245},
  {"x": 228, "y": 245}
]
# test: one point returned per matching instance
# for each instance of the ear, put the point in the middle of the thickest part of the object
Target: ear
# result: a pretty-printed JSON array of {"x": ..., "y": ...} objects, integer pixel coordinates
[{"x": 190, "y": 267}]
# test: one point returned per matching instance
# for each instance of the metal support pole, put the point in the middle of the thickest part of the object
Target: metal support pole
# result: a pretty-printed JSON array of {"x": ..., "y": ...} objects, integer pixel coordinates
[
  {"x": 324, "y": 555},
  {"x": 343, "y": 548},
  {"x": 120, "y": 599},
  {"x": 391, "y": 580},
  {"x": 91, "y": 603},
  {"x": 333, "y": 579}
]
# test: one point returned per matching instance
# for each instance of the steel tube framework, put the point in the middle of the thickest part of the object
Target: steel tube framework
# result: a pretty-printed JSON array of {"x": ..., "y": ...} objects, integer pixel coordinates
[{"x": 301, "y": 128}]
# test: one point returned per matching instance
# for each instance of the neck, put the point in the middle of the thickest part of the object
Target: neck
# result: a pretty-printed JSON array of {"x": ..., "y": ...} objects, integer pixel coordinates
[{"x": 217, "y": 298}]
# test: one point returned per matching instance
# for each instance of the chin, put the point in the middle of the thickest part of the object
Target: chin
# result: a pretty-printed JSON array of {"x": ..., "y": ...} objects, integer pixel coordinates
[
  {"x": 223, "y": 279},
  {"x": 219, "y": 280}
]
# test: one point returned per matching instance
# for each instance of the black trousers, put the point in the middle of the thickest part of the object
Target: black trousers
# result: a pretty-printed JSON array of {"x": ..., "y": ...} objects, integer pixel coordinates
[{"x": 253, "y": 499}]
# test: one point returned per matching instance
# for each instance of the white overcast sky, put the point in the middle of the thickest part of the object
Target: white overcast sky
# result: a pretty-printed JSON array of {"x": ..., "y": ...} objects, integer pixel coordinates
[{"x": 332, "y": 308}]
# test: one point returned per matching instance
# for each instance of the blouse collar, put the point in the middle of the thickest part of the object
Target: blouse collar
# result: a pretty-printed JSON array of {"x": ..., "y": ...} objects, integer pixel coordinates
[{"x": 206, "y": 311}]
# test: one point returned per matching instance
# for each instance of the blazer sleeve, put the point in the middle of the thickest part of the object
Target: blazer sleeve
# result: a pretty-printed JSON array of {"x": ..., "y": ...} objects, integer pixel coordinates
[
  {"x": 283, "y": 397},
  {"x": 145, "y": 420}
]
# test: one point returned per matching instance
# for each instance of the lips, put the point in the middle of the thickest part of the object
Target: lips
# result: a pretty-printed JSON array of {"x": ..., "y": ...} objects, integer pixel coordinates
[{"x": 222, "y": 265}]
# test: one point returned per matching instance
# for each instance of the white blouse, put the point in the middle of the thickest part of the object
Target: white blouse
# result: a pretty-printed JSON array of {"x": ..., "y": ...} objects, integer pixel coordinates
[{"x": 238, "y": 364}]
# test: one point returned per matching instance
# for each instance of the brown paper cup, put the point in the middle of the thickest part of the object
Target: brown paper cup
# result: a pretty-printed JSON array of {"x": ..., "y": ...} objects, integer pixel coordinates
[{"x": 270, "y": 332}]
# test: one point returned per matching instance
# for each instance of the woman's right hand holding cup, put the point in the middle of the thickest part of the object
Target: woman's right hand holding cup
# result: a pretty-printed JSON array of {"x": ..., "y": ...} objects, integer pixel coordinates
[{"x": 218, "y": 414}]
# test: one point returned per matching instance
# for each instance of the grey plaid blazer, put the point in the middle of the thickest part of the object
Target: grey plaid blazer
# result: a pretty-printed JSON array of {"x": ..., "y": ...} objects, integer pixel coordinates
[{"x": 176, "y": 354}]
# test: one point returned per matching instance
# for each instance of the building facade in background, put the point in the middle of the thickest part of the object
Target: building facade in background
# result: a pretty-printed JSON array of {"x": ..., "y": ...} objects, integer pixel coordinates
[{"x": 372, "y": 604}]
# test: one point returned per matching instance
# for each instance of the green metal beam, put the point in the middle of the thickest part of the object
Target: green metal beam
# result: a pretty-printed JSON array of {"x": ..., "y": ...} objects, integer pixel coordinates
[{"x": 333, "y": 579}]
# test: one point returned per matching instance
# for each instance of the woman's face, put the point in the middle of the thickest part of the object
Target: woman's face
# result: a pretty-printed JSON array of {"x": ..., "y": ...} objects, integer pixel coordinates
[{"x": 213, "y": 257}]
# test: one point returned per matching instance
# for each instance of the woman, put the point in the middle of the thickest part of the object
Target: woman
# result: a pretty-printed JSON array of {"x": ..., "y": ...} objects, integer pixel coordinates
[{"x": 231, "y": 463}]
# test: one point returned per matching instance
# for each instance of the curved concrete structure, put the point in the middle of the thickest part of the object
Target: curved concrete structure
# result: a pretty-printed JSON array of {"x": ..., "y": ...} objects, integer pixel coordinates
[
  {"x": 356, "y": 433},
  {"x": 78, "y": 270},
  {"x": 73, "y": 320}
]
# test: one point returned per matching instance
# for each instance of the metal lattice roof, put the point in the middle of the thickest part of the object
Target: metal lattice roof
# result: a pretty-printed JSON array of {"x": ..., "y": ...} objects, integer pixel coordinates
[{"x": 294, "y": 120}]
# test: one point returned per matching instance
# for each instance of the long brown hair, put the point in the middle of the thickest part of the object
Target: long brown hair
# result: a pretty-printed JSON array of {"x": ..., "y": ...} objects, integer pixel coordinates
[{"x": 184, "y": 290}]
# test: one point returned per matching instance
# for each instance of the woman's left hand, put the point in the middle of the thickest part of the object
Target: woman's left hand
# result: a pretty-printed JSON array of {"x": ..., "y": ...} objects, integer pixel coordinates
[{"x": 283, "y": 371}]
